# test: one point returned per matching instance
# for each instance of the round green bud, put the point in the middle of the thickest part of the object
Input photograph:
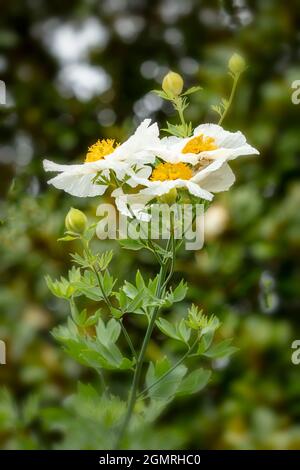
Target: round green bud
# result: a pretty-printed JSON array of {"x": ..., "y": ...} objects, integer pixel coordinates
[
  {"x": 75, "y": 221},
  {"x": 172, "y": 84},
  {"x": 236, "y": 64}
]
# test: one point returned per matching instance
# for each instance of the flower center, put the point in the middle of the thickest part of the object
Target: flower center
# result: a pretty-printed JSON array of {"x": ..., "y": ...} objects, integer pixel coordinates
[
  {"x": 200, "y": 143},
  {"x": 171, "y": 171},
  {"x": 100, "y": 149}
]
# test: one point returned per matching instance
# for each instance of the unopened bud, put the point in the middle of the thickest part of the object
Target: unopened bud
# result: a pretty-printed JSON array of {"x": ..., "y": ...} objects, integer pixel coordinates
[
  {"x": 172, "y": 84},
  {"x": 75, "y": 221},
  {"x": 236, "y": 64}
]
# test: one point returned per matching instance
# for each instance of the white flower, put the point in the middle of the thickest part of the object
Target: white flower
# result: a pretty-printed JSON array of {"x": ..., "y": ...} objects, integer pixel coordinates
[
  {"x": 197, "y": 164},
  {"x": 209, "y": 142},
  {"x": 128, "y": 158}
]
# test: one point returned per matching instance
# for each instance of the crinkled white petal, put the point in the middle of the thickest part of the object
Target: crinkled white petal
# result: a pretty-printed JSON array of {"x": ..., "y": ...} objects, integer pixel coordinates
[
  {"x": 219, "y": 180},
  {"x": 222, "y": 137},
  {"x": 211, "y": 168},
  {"x": 138, "y": 147},
  {"x": 234, "y": 141},
  {"x": 132, "y": 205},
  {"x": 199, "y": 191},
  {"x": 77, "y": 185},
  {"x": 81, "y": 168},
  {"x": 77, "y": 180},
  {"x": 230, "y": 145},
  {"x": 169, "y": 149},
  {"x": 158, "y": 188}
]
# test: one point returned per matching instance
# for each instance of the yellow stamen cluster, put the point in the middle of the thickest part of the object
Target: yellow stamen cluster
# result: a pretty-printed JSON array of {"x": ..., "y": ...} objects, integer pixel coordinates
[
  {"x": 171, "y": 171},
  {"x": 200, "y": 143},
  {"x": 100, "y": 149}
]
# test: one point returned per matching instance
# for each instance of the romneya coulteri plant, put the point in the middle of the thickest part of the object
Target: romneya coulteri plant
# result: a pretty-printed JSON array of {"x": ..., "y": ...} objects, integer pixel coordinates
[{"x": 183, "y": 169}]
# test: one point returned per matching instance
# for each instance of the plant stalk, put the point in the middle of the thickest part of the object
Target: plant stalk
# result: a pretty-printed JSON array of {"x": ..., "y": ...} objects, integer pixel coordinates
[{"x": 137, "y": 375}]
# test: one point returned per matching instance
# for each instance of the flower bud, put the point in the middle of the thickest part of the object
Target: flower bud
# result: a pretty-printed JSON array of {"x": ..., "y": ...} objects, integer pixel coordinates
[
  {"x": 236, "y": 64},
  {"x": 172, "y": 84},
  {"x": 75, "y": 221}
]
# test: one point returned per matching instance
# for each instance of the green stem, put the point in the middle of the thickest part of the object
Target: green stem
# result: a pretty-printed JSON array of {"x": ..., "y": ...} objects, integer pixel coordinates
[
  {"x": 181, "y": 116},
  {"x": 137, "y": 374},
  {"x": 233, "y": 90},
  {"x": 128, "y": 339},
  {"x": 180, "y": 107},
  {"x": 171, "y": 272}
]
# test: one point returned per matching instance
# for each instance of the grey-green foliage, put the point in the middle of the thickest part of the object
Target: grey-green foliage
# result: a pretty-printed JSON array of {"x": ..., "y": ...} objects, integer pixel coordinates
[{"x": 100, "y": 340}]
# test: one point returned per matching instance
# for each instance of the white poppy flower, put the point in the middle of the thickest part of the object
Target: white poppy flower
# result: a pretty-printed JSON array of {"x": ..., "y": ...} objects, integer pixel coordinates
[
  {"x": 128, "y": 158},
  {"x": 209, "y": 141},
  {"x": 202, "y": 172}
]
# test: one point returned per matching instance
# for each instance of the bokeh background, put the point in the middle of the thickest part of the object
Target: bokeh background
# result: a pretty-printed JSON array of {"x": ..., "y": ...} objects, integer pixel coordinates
[{"x": 82, "y": 70}]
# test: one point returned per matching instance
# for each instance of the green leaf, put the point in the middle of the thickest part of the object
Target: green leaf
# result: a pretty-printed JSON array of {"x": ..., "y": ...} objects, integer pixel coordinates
[
  {"x": 137, "y": 302},
  {"x": 167, "y": 328},
  {"x": 67, "y": 238},
  {"x": 81, "y": 261},
  {"x": 113, "y": 330},
  {"x": 109, "y": 333},
  {"x": 140, "y": 283},
  {"x": 169, "y": 384},
  {"x": 183, "y": 331},
  {"x": 116, "y": 313},
  {"x": 96, "y": 360},
  {"x": 79, "y": 318},
  {"x": 130, "y": 244},
  {"x": 92, "y": 319},
  {"x": 163, "y": 95},
  {"x": 104, "y": 260},
  {"x": 191, "y": 90},
  {"x": 155, "y": 408},
  {"x": 62, "y": 289},
  {"x": 108, "y": 283},
  {"x": 178, "y": 331},
  {"x": 130, "y": 290},
  {"x": 198, "y": 321},
  {"x": 194, "y": 382},
  {"x": 224, "y": 102},
  {"x": 222, "y": 349},
  {"x": 178, "y": 130},
  {"x": 217, "y": 109},
  {"x": 122, "y": 299},
  {"x": 176, "y": 295},
  {"x": 93, "y": 293},
  {"x": 96, "y": 355},
  {"x": 180, "y": 291},
  {"x": 30, "y": 409}
]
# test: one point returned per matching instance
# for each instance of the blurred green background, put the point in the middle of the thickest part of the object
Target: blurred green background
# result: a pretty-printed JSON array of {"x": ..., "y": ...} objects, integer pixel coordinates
[{"x": 78, "y": 71}]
